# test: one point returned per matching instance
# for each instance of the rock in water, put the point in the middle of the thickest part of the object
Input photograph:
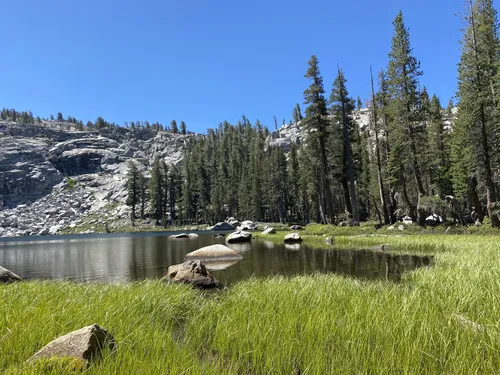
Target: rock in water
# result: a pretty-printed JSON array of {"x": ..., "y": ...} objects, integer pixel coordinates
[
  {"x": 239, "y": 236},
  {"x": 217, "y": 251},
  {"x": 191, "y": 272},
  {"x": 269, "y": 231},
  {"x": 180, "y": 235},
  {"x": 7, "y": 276},
  {"x": 292, "y": 237},
  {"x": 222, "y": 226},
  {"x": 85, "y": 344}
]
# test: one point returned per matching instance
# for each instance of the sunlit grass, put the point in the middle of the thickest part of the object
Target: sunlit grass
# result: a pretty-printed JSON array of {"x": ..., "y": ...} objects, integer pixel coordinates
[{"x": 442, "y": 319}]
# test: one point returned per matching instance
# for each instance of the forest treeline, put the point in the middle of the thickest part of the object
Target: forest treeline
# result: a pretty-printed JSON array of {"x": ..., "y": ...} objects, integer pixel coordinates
[{"x": 408, "y": 162}]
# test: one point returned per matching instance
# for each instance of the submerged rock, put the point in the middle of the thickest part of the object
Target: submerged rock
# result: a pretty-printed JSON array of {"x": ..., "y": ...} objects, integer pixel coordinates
[
  {"x": 85, "y": 344},
  {"x": 239, "y": 236},
  {"x": 269, "y": 231},
  {"x": 292, "y": 237},
  {"x": 191, "y": 272},
  {"x": 7, "y": 276},
  {"x": 214, "y": 251}
]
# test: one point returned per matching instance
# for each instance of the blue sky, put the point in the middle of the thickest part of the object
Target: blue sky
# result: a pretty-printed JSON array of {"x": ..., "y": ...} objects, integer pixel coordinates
[{"x": 207, "y": 61}]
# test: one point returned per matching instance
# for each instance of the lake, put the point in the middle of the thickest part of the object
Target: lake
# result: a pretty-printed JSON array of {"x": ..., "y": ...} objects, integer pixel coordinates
[{"x": 138, "y": 256}]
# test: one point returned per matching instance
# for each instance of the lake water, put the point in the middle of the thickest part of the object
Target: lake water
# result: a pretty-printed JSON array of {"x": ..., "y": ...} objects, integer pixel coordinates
[{"x": 128, "y": 257}]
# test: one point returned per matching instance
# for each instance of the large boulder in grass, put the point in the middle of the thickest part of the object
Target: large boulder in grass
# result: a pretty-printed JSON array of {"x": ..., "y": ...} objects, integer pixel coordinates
[
  {"x": 269, "y": 231},
  {"x": 214, "y": 252},
  {"x": 292, "y": 237},
  {"x": 247, "y": 225},
  {"x": 7, "y": 276},
  {"x": 239, "y": 236},
  {"x": 85, "y": 344},
  {"x": 191, "y": 272},
  {"x": 222, "y": 226}
]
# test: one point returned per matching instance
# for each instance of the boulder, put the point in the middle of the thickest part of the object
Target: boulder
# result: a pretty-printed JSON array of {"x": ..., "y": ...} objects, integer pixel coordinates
[
  {"x": 247, "y": 225},
  {"x": 217, "y": 251},
  {"x": 85, "y": 344},
  {"x": 407, "y": 220},
  {"x": 54, "y": 229},
  {"x": 269, "y": 231},
  {"x": 239, "y": 236},
  {"x": 234, "y": 222},
  {"x": 7, "y": 276},
  {"x": 180, "y": 235},
  {"x": 222, "y": 226},
  {"x": 401, "y": 227},
  {"x": 343, "y": 224},
  {"x": 296, "y": 227},
  {"x": 191, "y": 272},
  {"x": 193, "y": 235},
  {"x": 434, "y": 219},
  {"x": 329, "y": 240},
  {"x": 292, "y": 237}
]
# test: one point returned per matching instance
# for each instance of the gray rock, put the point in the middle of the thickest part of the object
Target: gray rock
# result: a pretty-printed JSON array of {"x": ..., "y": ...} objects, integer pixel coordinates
[
  {"x": 222, "y": 226},
  {"x": 180, "y": 235},
  {"x": 296, "y": 227},
  {"x": 401, "y": 227},
  {"x": 191, "y": 272},
  {"x": 329, "y": 240},
  {"x": 269, "y": 231},
  {"x": 44, "y": 232},
  {"x": 54, "y": 229},
  {"x": 239, "y": 236},
  {"x": 214, "y": 251},
  {"x": 85, "y": 344},
  {"x": 292, "y": 237},
  {"x": 7, "y": 276}
]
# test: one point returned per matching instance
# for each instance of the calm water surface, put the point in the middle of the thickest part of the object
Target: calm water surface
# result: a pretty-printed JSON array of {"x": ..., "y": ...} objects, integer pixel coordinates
[{"x": 128, "y": 257}]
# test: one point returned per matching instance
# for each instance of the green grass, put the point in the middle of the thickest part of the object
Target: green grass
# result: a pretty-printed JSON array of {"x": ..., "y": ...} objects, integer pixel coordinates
[{"x": 319, "y": 324}]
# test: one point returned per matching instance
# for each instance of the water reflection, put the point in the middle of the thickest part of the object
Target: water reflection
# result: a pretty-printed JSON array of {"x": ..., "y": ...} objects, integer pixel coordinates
[{"x": 138, "y": 257}]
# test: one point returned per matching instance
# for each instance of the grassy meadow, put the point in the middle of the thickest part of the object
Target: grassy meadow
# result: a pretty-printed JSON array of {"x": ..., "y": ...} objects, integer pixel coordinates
[{"x": 442, "y": 319}]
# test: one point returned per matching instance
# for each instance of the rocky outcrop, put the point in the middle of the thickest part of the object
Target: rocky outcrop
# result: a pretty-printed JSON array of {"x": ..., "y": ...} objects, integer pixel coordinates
[
  {"x": 86, "y": 344},
  {"x": 51, "y": 176},
  {"x": 25, "y": 172},
  {"x": 191, "y": 272},
  {"x": 7, "y": 276}
]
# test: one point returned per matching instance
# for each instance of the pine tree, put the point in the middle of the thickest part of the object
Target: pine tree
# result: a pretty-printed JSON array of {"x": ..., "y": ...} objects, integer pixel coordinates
[
  {"x": 297, "y": 114},
  {"x": 406, "y": 128},
  {"x": 360, "y": 103},
  {"x": 342, "y": 110},
  {"x": 316, "y": 121},
  {"x": 477, "y": 125},
  {"x": 183, "y": 128},
  {"x": 60, "y": 116},
  {"x": 157, "y": 191},
  {"x": 174, "y": 127},
  {"x": 133, "y": 188}
]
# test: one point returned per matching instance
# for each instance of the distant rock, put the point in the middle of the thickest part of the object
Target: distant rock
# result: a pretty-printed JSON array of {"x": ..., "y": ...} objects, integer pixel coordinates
[
  {"x": 434, "y": 219},
  {"x": 401, "y": 227},
  {"x": 191, "y": 272},
  {"x": 85, "y": 344},
  {"x": 247, "y": 225},
  {"x": 407, "y": 220},
  {"x": 223, "y": 226},
  {"x": 296, "y": 227},
  {"x": 214, "y": 251},
  {"x": 269, "y": 231},
  {"x": 7, "y": 276},
  {"x": 329, "y": 240},
  {"x": 343, "y": 224},
  {"x": 180, "y": 235},
  {"x": 193, "y": 235},
  {"x": 292, "y": 237},
  {"x": 239, "y": 236}
]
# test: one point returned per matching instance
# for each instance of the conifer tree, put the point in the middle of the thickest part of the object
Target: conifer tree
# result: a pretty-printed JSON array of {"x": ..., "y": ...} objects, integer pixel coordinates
[
  {"x": 157, "y": 191},
  {"x": 316, "y": 122},
  {"x": 183, "y": 128}
]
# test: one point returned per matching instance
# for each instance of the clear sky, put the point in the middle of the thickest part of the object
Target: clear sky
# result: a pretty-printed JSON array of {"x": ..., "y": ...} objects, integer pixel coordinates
[{"x": 207, "y": 61}]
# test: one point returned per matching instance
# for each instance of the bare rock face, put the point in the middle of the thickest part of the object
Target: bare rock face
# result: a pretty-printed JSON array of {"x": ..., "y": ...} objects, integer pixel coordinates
[
  {"x": 191, "y": 272},
  {"x": 292, "y": 237},
  {"x": 84, "y": 344},
  {"x": 7, "y": 276},
  {"x": 217, "y": 251},
  {"x": 239, "y": 236}
]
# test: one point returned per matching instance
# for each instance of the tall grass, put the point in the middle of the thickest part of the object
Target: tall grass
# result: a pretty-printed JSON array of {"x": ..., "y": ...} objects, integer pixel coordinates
[{"x": 439, "y": 320}]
